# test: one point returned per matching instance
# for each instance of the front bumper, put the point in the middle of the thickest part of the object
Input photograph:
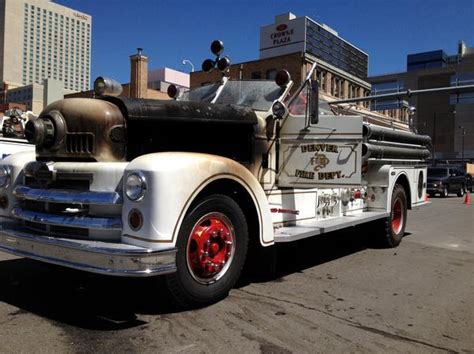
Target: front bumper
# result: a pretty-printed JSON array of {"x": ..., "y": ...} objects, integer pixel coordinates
[
  {"x": 433, "y": 190},
  {"x": 92, "y": 256}
]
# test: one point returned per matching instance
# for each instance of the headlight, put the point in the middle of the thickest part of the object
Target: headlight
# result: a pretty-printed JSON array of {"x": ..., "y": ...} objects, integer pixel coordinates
[
  {"x": 135, "y": 186},
  {"x": 5, "y": 176}
]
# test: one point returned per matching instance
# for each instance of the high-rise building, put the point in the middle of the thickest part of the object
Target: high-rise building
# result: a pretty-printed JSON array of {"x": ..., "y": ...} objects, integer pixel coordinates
[
  {"x": 40, "y": 40},
  {"x": 291, "y": 34}
]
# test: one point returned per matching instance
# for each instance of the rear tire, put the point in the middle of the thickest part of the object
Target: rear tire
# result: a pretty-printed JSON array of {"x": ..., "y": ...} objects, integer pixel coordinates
[
  {"x": 461, "y": 192},
  {"x": 212, "y": 247},
  {"x": 393, "y": 227}
]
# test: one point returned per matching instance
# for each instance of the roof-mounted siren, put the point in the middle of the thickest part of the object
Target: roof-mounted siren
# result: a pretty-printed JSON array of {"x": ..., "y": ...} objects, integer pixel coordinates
[
  {"x": 104, "y": 86},
  {"x": 208, "y": 65},
  {"x": 222, "y": 63},
  {"x": 217, "y": 47}
]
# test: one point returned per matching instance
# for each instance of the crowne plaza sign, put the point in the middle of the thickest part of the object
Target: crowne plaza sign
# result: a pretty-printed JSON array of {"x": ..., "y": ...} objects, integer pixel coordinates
[
  {"x": 282, "y": 34},
  {"x": 282, "y": 38}
]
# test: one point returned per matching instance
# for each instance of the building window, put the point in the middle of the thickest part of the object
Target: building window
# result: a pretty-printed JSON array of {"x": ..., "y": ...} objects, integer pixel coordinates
[
  {"x": 271, "y": 74},
  {"x": 256, "y": 75}
]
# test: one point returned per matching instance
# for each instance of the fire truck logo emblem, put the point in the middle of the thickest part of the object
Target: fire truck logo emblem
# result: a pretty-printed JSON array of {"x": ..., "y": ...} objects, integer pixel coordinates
[{"x": 319, "y": 161}]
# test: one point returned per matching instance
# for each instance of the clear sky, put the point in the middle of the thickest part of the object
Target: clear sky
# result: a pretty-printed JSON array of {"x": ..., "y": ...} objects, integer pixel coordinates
[{"x": 170, "y": 31}]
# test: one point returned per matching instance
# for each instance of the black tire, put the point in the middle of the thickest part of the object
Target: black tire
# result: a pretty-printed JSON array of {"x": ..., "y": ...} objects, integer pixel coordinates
[
  {"x": 445, "y": 192},
  {"x": 392, "y": 233},
  {"x": 187, "y": 287},
  {"x": 461, "y": 192}
]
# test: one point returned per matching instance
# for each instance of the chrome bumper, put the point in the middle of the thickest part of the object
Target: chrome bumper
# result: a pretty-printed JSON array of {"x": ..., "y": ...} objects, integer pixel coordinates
[{"x": 92, "y": 256}]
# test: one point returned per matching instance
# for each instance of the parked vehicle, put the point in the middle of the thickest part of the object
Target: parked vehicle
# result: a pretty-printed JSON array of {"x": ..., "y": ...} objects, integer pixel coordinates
[
  {"x": 12, "y": 138},
  {"x": 191, "y": 187},
  {"x": 443, "y": 180}
]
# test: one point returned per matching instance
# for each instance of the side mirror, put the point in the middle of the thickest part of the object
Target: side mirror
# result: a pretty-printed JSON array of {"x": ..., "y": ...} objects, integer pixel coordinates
[
  {"x": 279, "y": 110},
  {"x": 314, "y": 102}
]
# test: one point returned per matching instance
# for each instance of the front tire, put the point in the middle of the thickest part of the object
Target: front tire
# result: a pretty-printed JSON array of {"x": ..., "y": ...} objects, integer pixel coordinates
[
  {"x": 212, "y": 247},
  {"x": 445, "y": 192},
  {"x": 393, "y": 227},
  {"x": 461, "y": 192}
]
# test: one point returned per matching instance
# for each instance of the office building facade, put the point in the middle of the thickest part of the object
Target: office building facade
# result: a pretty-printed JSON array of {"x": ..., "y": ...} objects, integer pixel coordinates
[
  {"x": 447, "y": 118},
  {"x": 40, "y": 40}
]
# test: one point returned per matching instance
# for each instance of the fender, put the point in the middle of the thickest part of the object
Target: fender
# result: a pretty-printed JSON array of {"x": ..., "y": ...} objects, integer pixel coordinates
[
  {"x": 173, "y": 180},
  {"x": 395, "y": 176},
  {"x": 381, "y": 180}
]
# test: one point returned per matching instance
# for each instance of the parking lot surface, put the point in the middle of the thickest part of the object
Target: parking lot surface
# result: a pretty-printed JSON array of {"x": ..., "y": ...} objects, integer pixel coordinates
[{"x": 331, "y": 293}]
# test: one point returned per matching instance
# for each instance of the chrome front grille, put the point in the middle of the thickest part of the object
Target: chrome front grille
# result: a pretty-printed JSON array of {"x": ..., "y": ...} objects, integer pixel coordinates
[
  {"x": 80, "y": 143},
  {"x": 70, "y": 212}
]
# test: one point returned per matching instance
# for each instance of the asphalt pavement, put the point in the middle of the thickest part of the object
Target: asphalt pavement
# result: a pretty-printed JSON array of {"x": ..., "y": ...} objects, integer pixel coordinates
[{"x": 332, "y": 293}]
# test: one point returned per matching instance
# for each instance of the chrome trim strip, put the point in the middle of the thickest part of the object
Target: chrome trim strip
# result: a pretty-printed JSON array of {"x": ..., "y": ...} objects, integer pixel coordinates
[
  {"x": 82, "y": 222},
  {"x": 67, "y": 196},
  {"x": 117, "y": 259}
]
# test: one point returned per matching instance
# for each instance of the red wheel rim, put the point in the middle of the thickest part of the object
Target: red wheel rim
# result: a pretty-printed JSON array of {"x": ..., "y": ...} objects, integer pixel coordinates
[
  {"x": 397, "y": 216},
  {"x": 210, "y": 248}
]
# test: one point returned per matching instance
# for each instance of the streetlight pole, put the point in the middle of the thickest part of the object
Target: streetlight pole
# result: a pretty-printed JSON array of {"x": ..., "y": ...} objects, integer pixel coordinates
[
  {"x": 462, "y": 148},
  {"x": 186, "y": 61}
]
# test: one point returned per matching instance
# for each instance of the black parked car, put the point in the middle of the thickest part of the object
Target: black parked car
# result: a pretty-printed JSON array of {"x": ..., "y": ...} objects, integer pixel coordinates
[{"x": 445, "y": 180}]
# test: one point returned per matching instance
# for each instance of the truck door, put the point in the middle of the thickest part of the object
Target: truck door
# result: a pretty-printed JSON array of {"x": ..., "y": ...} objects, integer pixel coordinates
[{"x": 324, "y": 155}]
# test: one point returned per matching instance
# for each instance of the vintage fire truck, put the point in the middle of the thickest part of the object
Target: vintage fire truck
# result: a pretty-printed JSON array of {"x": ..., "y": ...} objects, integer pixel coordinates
[{"x": 189, "y": 188}]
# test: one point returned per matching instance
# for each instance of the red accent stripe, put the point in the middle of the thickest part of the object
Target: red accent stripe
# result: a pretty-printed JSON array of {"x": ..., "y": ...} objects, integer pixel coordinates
[{"x": 284, "y": 211}]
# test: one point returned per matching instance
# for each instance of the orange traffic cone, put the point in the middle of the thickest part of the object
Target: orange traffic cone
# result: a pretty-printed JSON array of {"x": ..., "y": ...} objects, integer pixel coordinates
[
  {"x": 427, "y": 199},
  {"x": 467, "y": 199}
]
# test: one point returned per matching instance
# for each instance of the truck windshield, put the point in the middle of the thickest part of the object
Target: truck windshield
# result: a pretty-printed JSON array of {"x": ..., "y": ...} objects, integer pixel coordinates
[
  {"x": 201, "y": 94},
  {"x": 437, "y": 172},
  {"x": 256, "y": 94}
]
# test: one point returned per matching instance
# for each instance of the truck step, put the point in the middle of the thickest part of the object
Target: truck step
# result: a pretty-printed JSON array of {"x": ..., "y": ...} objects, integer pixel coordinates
[{"x": 305, "y": 229}]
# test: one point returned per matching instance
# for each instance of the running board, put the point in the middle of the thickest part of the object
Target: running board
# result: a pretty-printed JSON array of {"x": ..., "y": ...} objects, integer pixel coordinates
[{"x": 306, "y": 229}]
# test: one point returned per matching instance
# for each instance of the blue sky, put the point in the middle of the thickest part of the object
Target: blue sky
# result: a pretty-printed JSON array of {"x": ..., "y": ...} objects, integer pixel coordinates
[{"x": 170, "y": 31}]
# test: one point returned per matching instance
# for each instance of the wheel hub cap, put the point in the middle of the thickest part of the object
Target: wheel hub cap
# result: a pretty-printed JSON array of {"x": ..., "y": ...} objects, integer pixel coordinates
[{"x": 210, "y": 247}]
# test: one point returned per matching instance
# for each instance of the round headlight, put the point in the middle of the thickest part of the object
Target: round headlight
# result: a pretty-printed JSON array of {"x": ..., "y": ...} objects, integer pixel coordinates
[
  {"x": 135, "y": 186},
  {"x": 5, "y": 176}
]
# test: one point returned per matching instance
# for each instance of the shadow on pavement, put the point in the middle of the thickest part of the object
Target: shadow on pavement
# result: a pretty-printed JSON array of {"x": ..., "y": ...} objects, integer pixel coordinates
[
  {"x": 104, "y": 303},
  {"x": 81, "y": 299}
]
